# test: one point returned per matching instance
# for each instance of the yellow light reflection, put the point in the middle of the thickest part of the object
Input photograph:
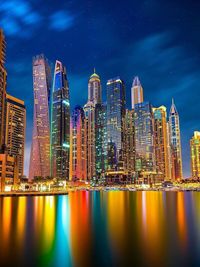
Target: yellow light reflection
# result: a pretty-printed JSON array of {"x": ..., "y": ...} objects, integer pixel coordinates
[
  {"x": 49, "y": 222},
  {"x": 181, "y": 218}
]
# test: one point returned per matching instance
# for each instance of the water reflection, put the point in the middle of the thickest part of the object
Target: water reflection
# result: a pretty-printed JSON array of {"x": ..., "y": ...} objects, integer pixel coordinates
[{"x": 101, "y": 229}]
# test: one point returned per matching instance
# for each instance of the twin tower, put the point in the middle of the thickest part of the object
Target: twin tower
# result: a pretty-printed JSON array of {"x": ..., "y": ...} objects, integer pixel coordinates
[{"x": 51, "y": 121}]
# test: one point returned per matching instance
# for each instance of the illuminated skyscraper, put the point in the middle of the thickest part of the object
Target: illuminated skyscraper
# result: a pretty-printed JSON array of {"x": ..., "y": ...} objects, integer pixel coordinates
[
  {"x": 94, "y": 97},
  {"x": 89, "y": 110},
  {"x": 15, "y": 130},
  {"x": 195, "y": 155},
  {"x": 3, "y": 75},
  {"x": 161, "y": 142},
  {"x": 115, "y": 118},
  {"x": 136, "y": 92},
  {"x": 60, "y": 123},
  {"x": 144, "y": 138},
  {"x": 40, "y": 150},
  {"x": 78, "y": 145},
  {"x": 100, "y": 138},
  {"x": 175, "y": 143},
  {"x": 94, "y": 89},
  {"x": 129, "y": 142}
]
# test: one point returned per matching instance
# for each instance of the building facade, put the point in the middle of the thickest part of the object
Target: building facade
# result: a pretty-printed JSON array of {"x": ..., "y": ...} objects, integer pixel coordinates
[
  {"x": 91, "y": 118},
  {"x": 115, "y": 119},
  {"x": 89, "y": 110},
  {"x": 15, "y": 130},
  {"x": 3, "y": 76},
  {"x": 100, "y": 139},
  {"x": 144, "y": 138},
  {"x": 9, "y": 176},
  {"x": 129, "y": 143},
  {"x": 40, "y": 149},
  {"x": 195, "y": 155},
  {"x": 175, "y": 143},
  {"x": 78, "y": 145},
  {"x": 161, "y": 142},
  {"x": 60, "y": 123},
  {"x": 136, "y": 92}
]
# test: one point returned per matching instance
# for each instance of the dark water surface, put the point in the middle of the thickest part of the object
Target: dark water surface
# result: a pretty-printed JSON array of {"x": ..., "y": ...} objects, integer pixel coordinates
[{"x": 101, "y": 229}]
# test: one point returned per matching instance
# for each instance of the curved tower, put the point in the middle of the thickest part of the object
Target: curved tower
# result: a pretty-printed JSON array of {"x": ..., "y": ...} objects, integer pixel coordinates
[{"x": 40, "y": 149}]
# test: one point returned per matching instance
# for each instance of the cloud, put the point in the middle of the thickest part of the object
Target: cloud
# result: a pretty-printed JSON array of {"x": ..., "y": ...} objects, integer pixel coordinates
[
  {"x": 18, "y": 18},
  {"x": 61, "y": 20}
]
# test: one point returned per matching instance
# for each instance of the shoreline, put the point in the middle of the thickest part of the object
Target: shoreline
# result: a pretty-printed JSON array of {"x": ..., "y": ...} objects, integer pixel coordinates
[
  {"x": 33, "y": 194},
  {"x": 21, "y": 194}
]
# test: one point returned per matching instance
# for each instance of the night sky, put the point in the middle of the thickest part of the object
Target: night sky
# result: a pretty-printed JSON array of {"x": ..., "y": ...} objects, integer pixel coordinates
[{"x": 157, "y": 40}]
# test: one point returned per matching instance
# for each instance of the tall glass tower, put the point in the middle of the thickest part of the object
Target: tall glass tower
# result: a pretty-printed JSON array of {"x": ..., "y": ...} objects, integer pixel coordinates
[
  {"x": 144, "y": 138},
  {"x": 3, "y": 75},
  {"x": 175, "y": 141},
  {"x": 100, "y": 138},
  {"x": 40, "y": 150},
  {"x": 115, "y": 118},
  {"x": 60, "y": 123}
]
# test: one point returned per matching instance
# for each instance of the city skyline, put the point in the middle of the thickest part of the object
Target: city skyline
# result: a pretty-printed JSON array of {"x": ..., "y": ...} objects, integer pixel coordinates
[{"x": 163, "y": 56}]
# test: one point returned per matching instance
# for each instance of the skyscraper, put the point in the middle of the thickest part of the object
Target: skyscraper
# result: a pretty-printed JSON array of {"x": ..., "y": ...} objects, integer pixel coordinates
[
  {"x": 115, "y": 118},
  {"x": 100, "y": 138},
  {"x": 129, "y": 142},
  {"x": 144, "y": 138},
  {"x": 15, "y": 128},
  {"x": 94, "y": 98},
  {"x": 161, "y": 142},
  {"x": 94, "y": 89},
  {"x": 3, "y": 75},
  {"x": 195, "y": 155},
  {"x": 40, "y": 150},
  {"x": 136, "y": 92},
  {"x": 89, "y": 110},
  {"x": 60, "y": 123},
  {"x": 78, "y": 145},
  {"x": 175, "y": 142}
]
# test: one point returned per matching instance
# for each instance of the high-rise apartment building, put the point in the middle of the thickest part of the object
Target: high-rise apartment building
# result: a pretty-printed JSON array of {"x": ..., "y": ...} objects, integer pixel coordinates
[
  {"x": 129, "y": 142},
  {"x": 175, "y": 143},
  {"x": 100, "y": 138},
  {"x": 78, "y": 145},
  {"x": 115, "y": 119},
  {"x": 15, "y": 129},
  {"x": 161, "y": 142},
  {"x": 40, "y": 149},
  {"x": 89, "y": 110},
  {"x": 3, "y": 75},
  {"x": 60, "y": 123},
  {"x": 144, "y": 138},
  {"x": 136, "y": 92},
  {"x": 195, "y": 155},
  {"x": 94, "y": 98}
]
